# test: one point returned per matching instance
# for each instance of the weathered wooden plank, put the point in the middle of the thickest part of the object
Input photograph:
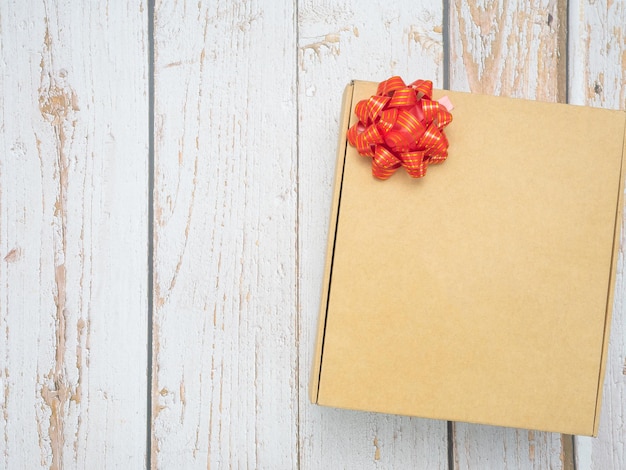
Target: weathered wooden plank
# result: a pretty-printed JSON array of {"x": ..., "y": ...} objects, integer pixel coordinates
[
  {"x": 507, "y": 48},
  {"x": 338, "y": 44},
  {"x": 597, "y": 53},
  {"x": 224, "y": 351},
  {"x": 478, "y": 446},
  {"x": 597, "y": 77},
  {"x": 73, "y": 234},
  {"x": 512, "y": 49}
]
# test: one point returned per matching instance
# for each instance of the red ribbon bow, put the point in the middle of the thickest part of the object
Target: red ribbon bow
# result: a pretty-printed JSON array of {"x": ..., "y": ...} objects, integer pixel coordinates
[{"x": 401, "y": 126}]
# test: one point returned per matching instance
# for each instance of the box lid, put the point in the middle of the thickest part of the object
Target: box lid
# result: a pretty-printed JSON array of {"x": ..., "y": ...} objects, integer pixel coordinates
[{"x": 483, "y": 291}]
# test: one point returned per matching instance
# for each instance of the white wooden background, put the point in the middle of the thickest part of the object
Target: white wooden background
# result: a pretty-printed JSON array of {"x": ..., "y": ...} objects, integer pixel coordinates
[{"x": 165, "y": 182}]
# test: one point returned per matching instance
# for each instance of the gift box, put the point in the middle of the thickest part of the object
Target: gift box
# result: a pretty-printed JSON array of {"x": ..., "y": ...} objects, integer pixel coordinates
[{"x": 483, "y": 291}]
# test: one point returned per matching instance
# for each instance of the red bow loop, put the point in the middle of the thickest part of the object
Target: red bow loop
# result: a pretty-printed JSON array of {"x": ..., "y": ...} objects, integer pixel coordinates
[
  {"x": 388, "y": 119},
  {"x": 384, "y": 163},
  {"x": 435, "y": 143},
  {"x": 436, "y": 112},
  {"x": 403, "y": 97},
  {"x": 387, "y": 87},
  {"x": 375, "y": 106},
  {"x": 425, "y": 87},
  {"x": 401, "y": 126},
  {"x": 414, "y": 163},
  {"x": 361, "y": 111}
]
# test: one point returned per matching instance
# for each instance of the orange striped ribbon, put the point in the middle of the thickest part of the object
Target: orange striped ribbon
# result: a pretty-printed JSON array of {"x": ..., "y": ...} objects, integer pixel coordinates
[{"x": 401, "y": 126}]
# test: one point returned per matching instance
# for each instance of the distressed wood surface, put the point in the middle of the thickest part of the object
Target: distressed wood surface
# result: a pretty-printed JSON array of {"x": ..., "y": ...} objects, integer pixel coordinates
[
  {"x": 73, "y": 234},
  {"x": 510, "y": 49},
  {"x": 494, "y": 447},
  {"x": 597, "y": 71},
  {"x": 225, "y": 384},
  {"x": 244, "y": 156},
  {"x": 338, "y": 43}
]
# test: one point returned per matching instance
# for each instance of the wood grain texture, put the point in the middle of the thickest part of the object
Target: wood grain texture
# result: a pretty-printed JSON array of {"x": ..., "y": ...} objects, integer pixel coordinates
[
  {"x": 225, "y": 321},
  {"x": 597, "y": 53},
  {"x": 494, "y": 447},
  {"x": 511, "y": 49},
  {"x": 597, "y": 71},
  {"x": 73, "y": 234},
  {"x": 338, "y": 43},
  {"x": 246, "y": 119}
]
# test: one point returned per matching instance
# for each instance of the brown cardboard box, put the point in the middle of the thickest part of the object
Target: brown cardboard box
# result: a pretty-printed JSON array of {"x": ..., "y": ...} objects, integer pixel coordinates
[{"x": 483, "y": 291}]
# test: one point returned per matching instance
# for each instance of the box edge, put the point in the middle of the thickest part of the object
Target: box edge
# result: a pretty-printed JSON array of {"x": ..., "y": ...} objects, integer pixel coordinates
[
  {"x": 611, "y": 290},
  {"x": 346, "y": 109}
]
